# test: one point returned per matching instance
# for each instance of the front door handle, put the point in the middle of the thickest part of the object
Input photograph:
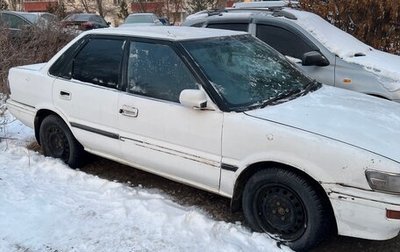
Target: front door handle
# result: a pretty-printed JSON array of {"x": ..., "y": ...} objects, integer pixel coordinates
[
  {"x": 65, "y": 95},
  {"x": 129, "y": 111}
]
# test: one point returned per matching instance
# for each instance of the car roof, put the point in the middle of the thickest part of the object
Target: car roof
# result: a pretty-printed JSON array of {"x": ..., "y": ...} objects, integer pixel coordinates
[{"x": 173, "y": 33}]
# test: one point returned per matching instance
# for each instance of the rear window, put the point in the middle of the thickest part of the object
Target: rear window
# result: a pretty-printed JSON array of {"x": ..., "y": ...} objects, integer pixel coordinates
[
  {"x": 234, "y": 26},
  {"x": 139, "y": 19}
]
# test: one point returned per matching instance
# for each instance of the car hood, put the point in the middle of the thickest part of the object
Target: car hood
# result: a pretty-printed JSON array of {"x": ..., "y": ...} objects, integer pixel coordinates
[
  {"x": 356, "y": 119},
  {"x": 385, "y": 66}
]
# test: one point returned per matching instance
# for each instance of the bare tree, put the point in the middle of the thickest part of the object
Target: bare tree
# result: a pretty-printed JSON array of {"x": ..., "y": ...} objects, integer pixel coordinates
[
  {"x": 199, "y": 5},
  {"x": 14, "y": 4},
  {"x": 85, "y": 5},
  {"x": 373, "y": 22},
  {"x": 3, "y": 5},
  {"x": 99, "y": 5},
  {"x": 123, "y": 10}
]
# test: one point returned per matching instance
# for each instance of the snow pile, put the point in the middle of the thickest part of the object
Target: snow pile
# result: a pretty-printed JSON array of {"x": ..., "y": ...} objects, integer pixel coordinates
[
  {"x": 385, "y": 66},
  {"x": 46, "y": 206}
]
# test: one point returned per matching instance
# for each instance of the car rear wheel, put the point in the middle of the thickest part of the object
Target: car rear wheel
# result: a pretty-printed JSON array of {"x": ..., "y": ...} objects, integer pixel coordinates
[
  {"x": 286, "y": 206},
  {"x": 58, "y": 142}
]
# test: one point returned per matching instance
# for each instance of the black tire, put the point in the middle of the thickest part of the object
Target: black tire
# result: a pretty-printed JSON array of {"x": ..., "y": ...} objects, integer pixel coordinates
[
  {"x": 287, "y": 207},
  {"x": 57, "y": 141}
]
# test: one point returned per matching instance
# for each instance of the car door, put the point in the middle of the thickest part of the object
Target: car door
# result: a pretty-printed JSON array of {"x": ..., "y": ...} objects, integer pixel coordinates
[
  {"x": 291, "y": 44},
  {"x": 86, "y": 92},
  {"x": 158, "y": 133}
]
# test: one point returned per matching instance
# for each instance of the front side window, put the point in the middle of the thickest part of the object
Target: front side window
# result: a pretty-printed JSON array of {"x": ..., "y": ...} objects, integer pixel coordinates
[
  {"x": 99, "y": 62},
  {"x": 284, "y": 41},
  {"x": 246, "y": 72},
  {"x": 233, "y": 26},
  {"x": 155, "y": 70}
]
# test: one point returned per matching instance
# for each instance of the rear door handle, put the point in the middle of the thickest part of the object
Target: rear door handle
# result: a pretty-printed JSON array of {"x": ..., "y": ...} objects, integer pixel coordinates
[
  {"x": 65, "y": 95},
  {"x": 129, "y": 111}
]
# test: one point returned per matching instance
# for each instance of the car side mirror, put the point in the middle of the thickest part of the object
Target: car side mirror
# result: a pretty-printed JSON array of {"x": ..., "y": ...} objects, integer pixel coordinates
[
  {"x": 193, "y": 98},
  {"x": 108, "y": 23},
  {"x": 314, "y": 58}
]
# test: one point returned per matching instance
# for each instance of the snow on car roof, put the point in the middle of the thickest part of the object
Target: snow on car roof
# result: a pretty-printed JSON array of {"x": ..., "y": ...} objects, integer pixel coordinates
[
  {"x": 175, "y": 33},
  {"x": 336, "y": 40}
]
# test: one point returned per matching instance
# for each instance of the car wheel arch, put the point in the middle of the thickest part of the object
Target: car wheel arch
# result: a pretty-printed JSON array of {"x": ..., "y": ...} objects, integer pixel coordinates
[
  {"x": 39, "y": 117},
  {"x": 245, "y": 175},
  {"x": 379, "y": 96}
]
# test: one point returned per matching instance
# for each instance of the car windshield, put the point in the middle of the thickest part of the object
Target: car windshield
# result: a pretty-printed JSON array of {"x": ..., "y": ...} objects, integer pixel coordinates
[
  {"x": 247, "y": 73},
  {"x": 139, "y": 19}
]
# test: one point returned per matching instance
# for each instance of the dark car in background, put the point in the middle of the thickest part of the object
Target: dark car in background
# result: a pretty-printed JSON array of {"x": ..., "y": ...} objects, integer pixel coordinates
[
  {"x": 14, "y": 21},
  {"x": 17, "y": 20},
  {"x": 84, "y": 21},
  {"x": 41, "y": 19}
]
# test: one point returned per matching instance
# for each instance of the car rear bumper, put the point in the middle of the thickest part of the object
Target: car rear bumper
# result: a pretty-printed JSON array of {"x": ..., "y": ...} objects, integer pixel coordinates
[{"x": 22, "y": 112}]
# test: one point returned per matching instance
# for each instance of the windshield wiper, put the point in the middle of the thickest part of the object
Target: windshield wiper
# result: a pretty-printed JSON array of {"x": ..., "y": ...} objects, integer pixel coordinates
[
  {"x": 312, "y": 86},
  {"x": 287, "y": 96}
]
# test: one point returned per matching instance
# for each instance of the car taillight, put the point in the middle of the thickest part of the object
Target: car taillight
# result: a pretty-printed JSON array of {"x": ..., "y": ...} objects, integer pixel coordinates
[{"x": 87, "y": 26}]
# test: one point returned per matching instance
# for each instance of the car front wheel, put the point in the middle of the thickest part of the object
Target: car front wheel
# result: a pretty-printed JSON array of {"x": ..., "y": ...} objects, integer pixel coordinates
[
  {"x": 58, "y": 142},
  {"x": 286, "y": 206}
]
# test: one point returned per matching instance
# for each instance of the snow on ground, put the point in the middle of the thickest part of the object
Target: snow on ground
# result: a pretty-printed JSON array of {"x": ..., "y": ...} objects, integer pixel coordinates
[{"x": 46, "y": 206}]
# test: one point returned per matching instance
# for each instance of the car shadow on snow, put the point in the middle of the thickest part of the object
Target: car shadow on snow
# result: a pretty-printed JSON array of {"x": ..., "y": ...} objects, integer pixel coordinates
[{"x": 215, "y": 206}]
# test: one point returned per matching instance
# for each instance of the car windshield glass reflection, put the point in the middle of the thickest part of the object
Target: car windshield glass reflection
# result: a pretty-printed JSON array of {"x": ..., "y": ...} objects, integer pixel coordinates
[{"x": 247, "y": 73}]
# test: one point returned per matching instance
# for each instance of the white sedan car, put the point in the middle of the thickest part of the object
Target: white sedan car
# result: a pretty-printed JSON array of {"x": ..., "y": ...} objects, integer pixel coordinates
[{"x": 222, "y": 111}]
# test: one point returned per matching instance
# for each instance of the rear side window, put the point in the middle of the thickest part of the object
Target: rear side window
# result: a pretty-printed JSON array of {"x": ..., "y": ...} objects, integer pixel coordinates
[
  {"x": 233, "y": 26},
  {"x": 99, "y": 62},
  {"x": 284, "y": 41}
]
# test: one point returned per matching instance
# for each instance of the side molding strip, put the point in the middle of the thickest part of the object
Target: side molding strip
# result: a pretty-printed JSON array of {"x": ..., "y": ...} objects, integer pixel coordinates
[
  {"x": 94, "y": 130},
  {"x": 229, "y": 167}
]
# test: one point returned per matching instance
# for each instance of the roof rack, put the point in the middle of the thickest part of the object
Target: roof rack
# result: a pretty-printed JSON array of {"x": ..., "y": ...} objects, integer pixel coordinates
[
  {"x": 266, "y": 4},
  {"x": 275, "y": 11}
]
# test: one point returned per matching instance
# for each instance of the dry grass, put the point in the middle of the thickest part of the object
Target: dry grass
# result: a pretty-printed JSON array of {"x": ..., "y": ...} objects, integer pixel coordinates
[
  {"x": 377, "y": 23},
  {"x": 28, "y": 46}
]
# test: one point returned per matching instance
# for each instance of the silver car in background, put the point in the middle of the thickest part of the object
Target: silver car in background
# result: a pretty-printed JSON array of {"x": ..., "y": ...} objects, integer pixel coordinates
[
  {"x": 142, "y": 19},
  {"x": 319, "y": 49}
]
